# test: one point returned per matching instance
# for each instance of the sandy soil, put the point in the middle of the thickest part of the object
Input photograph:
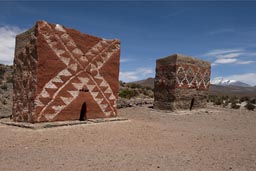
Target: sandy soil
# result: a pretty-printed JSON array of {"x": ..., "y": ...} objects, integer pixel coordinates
[{"x": 212, "y": 139}]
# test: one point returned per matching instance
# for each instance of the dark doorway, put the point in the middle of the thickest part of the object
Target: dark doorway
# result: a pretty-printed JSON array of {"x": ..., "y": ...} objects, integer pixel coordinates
[
  {"x": 83, "y": 116},
  {"x": 192, "y": 103}
]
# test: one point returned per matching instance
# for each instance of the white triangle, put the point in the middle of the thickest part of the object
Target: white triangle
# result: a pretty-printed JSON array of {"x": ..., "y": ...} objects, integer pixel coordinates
[
  {"x": 73, "y": 67},
  {"x": 104, "y": 106},
  {"x": 58, "y": 108},
  {"x": 71, "y": 44},
  {"x": 45, "y": 94},
  {"x": 109, "y": 54},
  {"x": 90, "y": 87},
  {"x": 93, "y": 66},
  {"x": 112, "y": 97},
  {"x": 73, "y": 93},
  {"x": 99, "y": 64},
  {"x": 65, "y": 60},
  {"x": 59, "y": 27},
  {"x": 49, "y": 116},
  {"x": 57, "y": 79},
  {"x": 50, "y": 85},
  {"x": 94, "y": 94},
  {"x": 77, "y": 51},
  {"x": 66, "y": 100},
  {"x": 38, "y": 102},
  {"x": 78, "y": 86},
  {"x": 58, "y": 51},
  {"x": 99, "y": 47},
  {"x": 104, "y": 84},
  {"x": 84, "y": 58},
  {"x": 108, "y": 90},
  {"x": 107, "y": 113},
  {"x": 104, "y": 43},
  {"x": 94, "y": 50},
  {"x": 65, "y": 36},
  {"x": 89, "y": 53},
  {"x": 83, "y": 79},
  {"x": 65, "y": 72},
  {"x": 98, "y": 76},
  {"x": 99, "y": 100}
]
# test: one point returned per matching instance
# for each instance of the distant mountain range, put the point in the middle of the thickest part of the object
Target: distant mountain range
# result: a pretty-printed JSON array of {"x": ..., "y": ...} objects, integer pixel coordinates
[
  {"x": 223, "y": 82},
  {"x": 149, "y": 82},
  {"x": 224, "y": 87}
]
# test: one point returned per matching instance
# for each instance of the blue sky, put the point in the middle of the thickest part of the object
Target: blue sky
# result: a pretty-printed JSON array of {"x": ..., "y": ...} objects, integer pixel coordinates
[{"x": 223, "y": 33}]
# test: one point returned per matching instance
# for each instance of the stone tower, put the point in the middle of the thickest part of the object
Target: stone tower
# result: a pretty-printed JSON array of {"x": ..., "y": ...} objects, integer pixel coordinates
[
  {"x": 181, "y": 82},
  {"x": 58, "y": 69}
]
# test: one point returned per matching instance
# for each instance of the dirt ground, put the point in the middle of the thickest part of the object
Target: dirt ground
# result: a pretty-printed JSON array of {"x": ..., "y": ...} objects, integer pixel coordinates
[{"x": 206, "y": 139}]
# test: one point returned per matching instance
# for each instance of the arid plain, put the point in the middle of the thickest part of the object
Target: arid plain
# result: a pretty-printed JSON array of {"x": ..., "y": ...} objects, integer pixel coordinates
[{"x": 205, "y": 139}]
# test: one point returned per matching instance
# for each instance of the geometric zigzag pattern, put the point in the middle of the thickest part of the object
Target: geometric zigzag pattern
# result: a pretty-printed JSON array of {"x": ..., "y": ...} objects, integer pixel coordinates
[
  {"x": 189, "y": 77},
  {"x": 81, "y": 71}
]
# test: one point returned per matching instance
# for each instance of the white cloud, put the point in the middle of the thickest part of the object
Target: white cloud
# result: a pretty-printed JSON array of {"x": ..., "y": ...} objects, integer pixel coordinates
[
  {"x": 245, "y": 62},
  {"x": 7, "y": 43},
  {"x": 216, "y": 52},
  {"x": 135, "y": 75},
  {"x": 230, "y": 55},
  {"x": 225, "y": 61},
  {"x": 122, "y": 60},
  {"x": 249, "y": 78},
  {"x": 227, "y": 56}
]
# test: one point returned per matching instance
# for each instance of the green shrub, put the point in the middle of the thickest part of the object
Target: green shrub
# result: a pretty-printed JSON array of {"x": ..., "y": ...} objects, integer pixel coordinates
[
  {"x": 225, "y": 103},
  {"x": 249, "y": 106},
  {"x": 126, "y": 93},
  {"x": 253, "y": 100},
  {"x": 217, "y": 101},
  {"x": 243, "y": 99},
  {"x": 121, "y": 83},
  {"x": 234, "y": 105},
  {"x": 134, "y": 85},
  {"x": 234, "y": 99}
]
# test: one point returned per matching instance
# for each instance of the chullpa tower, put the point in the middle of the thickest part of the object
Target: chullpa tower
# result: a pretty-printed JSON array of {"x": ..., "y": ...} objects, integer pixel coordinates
[
  {"x": 57, "y": 70},
  {"x": 181, "y": 82}
]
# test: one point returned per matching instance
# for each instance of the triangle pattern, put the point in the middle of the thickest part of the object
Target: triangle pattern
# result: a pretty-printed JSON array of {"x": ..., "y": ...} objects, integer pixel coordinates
[
  {"x": 65, "y": 60},
  {"x": 73, "y": 93},
  {"x": 73, "y": 67},
  {"x": 66, "y": 100},
  {"x": 91, "y": 87},
  {"x": 45, "y": 94},
  {"x": 57, "y": 79}
]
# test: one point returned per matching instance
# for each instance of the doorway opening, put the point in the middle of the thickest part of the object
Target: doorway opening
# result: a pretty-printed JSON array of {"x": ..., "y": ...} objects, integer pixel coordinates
[
  {"x": 83, "y": 111},
  {"x": 192, "y": 103}
]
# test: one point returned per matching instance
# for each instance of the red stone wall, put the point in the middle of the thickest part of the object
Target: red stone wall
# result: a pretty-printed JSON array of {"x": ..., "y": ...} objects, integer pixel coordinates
[
  {"x": 192, "y": 76},
  {"x": 25, "y": 76},
  {"x": 74, "y": 68}
]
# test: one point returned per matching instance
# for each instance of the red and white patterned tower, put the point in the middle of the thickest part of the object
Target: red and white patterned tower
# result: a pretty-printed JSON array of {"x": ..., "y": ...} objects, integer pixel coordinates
[
  {"x": 57, "y": 69},
  {"x": 181, "y": 81}
]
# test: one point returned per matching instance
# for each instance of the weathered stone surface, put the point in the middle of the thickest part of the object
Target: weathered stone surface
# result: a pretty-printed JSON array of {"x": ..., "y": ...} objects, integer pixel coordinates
[
  {"x": 57, "y": 69},
  {"x": 179, "y": 79}
]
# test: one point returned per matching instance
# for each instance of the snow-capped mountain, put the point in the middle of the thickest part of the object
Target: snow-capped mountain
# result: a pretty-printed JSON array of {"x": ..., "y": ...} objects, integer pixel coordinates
[{"x": 223, "y": 82}]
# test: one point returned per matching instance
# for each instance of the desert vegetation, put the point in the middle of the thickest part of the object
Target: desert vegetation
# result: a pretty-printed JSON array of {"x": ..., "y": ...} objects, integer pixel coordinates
[
  {"x": 233, "y": 102},
  {"x": 133, "y": 94},
  {"x": 130, "y": 90}
]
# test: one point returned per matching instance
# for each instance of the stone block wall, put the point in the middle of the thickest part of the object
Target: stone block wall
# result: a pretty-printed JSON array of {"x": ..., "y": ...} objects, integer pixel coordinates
[
  {"x": 179, "y": 79},
  {"x": 57, "y": 69}
]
